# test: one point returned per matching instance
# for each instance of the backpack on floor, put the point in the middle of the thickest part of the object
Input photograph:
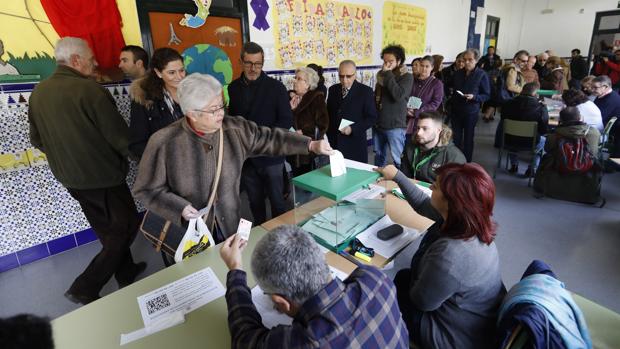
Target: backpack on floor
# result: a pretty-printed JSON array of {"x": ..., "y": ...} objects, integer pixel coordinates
[{"x": 574, "y": 156}]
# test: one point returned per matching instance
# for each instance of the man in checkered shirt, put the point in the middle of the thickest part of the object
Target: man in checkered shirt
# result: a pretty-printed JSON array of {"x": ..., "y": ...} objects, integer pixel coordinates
[{"x": 360, "y": 312}]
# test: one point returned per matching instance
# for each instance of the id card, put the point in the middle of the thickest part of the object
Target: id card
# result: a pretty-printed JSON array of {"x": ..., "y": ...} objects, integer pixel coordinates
[{"x": 243, "y": 230}]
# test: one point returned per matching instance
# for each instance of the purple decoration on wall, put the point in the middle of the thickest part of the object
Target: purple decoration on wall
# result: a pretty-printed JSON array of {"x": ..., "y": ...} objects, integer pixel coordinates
[{"x": 260, "y": 8}]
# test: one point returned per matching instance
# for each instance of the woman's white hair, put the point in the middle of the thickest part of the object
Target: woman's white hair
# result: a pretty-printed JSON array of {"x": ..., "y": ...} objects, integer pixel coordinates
[
  {"x": 311, "y": 76},
  {"x": 69, "y": 46},
  {"x": 196, "y": 91}
]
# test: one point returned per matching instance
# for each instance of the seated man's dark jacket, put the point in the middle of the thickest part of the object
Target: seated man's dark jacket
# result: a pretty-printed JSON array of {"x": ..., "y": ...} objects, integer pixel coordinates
[
  {"x": 264, "y": 101},
  {"x": 525, "y": 108}
]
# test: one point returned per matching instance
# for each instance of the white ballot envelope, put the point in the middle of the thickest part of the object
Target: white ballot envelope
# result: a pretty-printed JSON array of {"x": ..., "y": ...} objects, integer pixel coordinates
[
  {"x": 337, "y": 166},
  {"x": 243, "y": 230},
  {"x": 344, "y": 123}
]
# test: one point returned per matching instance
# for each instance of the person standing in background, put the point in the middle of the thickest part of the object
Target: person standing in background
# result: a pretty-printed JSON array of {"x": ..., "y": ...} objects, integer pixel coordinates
[
  {"x": 76, "y": 123},
  {"x": 264, "y": 100},
  {"x": 133, "y": 61},
  {"x": 391, "y": 94},
  {"x": 352, "y": 101},
  {"x": 471, "y": 89},
  {"x": 578, "y": 69}
]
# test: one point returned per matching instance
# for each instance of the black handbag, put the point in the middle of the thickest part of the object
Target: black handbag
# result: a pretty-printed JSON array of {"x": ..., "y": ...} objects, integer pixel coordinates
[{"x": 165, "y": 235}]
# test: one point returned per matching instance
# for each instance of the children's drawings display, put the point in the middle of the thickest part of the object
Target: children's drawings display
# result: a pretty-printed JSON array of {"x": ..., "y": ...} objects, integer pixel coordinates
[{"x": 322, "y": 32}]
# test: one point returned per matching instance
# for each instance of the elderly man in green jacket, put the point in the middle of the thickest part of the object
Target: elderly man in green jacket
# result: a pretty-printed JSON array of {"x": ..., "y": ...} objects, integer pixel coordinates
[{"x": 75, "y": 122}]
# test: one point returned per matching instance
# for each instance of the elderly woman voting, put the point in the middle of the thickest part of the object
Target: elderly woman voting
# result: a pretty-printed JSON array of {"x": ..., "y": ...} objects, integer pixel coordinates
[{"x": 178, "y": 169}]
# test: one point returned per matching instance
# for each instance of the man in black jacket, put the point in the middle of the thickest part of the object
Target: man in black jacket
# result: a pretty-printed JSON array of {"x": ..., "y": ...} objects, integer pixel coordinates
[
  {"x": 578, "y": 69},
  {"x": 352, "y": 101},
  {"x": 264, "y": 100},
  {"x": 526, "y": 107},
  {"x": 487, "y": 63}
]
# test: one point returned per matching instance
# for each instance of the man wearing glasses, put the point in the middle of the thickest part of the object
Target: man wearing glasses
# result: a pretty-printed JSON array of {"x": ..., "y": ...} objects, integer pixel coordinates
[
  {"x": 353, "y": 101},
  {"x": 514, "y": 77},
  {"x": 264, "y": 100}
]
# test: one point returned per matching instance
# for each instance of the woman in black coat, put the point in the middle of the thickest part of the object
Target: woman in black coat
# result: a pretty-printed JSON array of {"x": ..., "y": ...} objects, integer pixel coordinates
[{"x": 154, "y": 103}]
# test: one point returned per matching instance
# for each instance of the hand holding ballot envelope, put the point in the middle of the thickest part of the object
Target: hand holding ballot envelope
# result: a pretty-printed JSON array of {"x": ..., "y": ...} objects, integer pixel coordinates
[
  {"x": 231, "y": 252},
  {"x": 345, "y": 127}
]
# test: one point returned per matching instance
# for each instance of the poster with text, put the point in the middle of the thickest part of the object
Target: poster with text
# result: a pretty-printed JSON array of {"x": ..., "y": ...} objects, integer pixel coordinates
[
  {"x": 404, "y": 25},
  {"x": 322, "y": 32}
]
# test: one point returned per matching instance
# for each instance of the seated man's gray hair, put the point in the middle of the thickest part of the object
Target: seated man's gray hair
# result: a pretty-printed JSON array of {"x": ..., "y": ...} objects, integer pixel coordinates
[
  {"x": 288, "y": 262},
  {"x": 68, "y": 46},
  {"x": 196, "y": 91}
]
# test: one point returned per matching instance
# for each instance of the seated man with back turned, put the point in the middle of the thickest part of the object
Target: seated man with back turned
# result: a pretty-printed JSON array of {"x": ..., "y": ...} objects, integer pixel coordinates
[
  {"x": 526, "y": 107},
  {"x": 431, "y": 149},
  {"x": 359, "y": 312},
  {"x": 553, "y": 181}
]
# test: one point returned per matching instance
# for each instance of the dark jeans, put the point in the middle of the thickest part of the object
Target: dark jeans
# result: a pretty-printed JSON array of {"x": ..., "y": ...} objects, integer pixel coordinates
[
  {"x": 112, "y": 214},
  {"x": 262, "y": 182},
  {"x": 463, "y": 126},
  {"x": 411, "y": 315}
]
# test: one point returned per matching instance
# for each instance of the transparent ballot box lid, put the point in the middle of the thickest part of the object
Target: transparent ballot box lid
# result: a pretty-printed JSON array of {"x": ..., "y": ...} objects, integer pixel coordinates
[{"x": 336, "y": 209}]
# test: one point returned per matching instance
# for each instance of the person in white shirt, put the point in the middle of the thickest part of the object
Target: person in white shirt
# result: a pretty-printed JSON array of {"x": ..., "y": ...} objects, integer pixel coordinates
[{"x": 589, "y": 111}]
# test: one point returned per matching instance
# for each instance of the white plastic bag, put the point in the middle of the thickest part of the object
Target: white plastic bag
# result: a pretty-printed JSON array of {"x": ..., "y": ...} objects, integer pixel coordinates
[{"x": 197, "y": 238}]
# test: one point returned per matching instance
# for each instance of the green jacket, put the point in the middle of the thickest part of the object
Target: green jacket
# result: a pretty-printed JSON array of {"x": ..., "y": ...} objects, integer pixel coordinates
[
  {"x": 437, "y": 157},
  {"x": 76, "y": 123}
]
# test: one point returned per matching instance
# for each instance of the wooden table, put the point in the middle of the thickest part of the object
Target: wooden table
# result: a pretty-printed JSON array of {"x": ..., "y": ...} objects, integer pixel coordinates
[
  {"x": 99, "y": 325},
  {"x": 397, "y": 209}
]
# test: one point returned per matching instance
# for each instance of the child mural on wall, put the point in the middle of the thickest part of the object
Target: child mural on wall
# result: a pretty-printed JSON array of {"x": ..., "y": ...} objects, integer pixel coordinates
[
  {"x": 5, "y": 67},
  {"x": 200, "y": 18}
]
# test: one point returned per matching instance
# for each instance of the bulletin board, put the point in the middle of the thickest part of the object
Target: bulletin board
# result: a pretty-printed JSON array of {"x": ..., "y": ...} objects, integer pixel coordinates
[
  {"x": 406, "y": 25},
  {"x": 322, "y": 32}
]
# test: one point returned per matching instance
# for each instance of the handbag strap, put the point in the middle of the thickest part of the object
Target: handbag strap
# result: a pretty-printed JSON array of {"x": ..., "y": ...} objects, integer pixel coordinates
[{"x": 218, "y": 171}]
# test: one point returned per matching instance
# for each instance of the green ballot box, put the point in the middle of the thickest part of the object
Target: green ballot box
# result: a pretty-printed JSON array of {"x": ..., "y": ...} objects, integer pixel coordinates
[{"x": 336, "y": 209}]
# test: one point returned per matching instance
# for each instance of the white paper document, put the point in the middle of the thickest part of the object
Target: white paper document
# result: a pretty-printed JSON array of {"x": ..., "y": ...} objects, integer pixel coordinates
[
  {"x": 184, "y": 295},
  {"x": 338, "y": 274},
  {"x": 266, "y": 308},
  {"x": 370, "y": 192},
  {"x": 344, "y": 123},
  {"x": 160, "y": 325},
  {"x": 336, "y": 164},
  {"x": 390, "y": 247}
]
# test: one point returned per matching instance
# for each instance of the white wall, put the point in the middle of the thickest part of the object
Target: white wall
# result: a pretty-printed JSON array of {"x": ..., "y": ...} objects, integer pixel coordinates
[{"x": 563, "y": 30}]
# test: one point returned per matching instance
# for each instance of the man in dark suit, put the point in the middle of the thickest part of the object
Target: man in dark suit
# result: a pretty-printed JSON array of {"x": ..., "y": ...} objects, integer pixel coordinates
[
  {"x": 264, "y": 100},
  {"x": 352, "y": 101}
]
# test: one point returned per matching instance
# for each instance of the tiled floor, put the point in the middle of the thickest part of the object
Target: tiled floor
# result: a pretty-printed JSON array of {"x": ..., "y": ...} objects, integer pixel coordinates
[{"x": 580, "y": 242}]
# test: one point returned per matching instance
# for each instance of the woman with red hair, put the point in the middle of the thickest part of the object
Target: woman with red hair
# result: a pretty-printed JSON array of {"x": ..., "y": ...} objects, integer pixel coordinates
[{"x": 450, "y": 296}]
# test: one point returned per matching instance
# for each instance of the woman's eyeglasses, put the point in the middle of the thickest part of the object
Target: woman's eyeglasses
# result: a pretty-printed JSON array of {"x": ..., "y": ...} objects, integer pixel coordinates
[{"x": 211, "y": 112}]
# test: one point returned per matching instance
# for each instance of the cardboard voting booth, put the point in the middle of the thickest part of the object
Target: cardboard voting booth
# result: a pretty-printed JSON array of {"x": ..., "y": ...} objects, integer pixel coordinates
[{"x": 347, "y": 204}]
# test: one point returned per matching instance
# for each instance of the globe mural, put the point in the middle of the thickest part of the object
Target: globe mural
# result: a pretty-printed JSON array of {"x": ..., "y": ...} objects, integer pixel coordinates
[{"x": 209, "y": 59}]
